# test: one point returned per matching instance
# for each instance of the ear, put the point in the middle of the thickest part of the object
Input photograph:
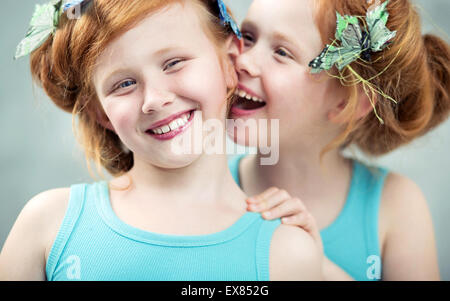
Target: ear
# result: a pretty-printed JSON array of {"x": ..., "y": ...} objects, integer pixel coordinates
[
  {"x": 363, "y": 107},
  {"x": 234, "y": 47},
  {"x": 103, "y": 120}
]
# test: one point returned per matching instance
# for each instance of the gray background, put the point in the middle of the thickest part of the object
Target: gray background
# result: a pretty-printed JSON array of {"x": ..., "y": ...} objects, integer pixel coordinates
[{"x": 38, "y": 151}]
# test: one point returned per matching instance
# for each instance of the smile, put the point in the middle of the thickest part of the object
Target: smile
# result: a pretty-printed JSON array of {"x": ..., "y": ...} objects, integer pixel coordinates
[
  {"x": 246, "y": 103},
  {"x": 172, "y": 127}
]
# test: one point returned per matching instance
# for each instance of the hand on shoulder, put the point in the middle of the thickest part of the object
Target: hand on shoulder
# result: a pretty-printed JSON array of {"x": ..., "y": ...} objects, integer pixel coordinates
[
  {"x": 23, "y": 256},
  {"x": 294, "y": 255}
]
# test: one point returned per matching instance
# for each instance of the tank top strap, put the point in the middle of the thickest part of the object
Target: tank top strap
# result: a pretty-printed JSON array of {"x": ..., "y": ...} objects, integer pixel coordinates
[
  {"x": 73, "y": 212},
  {"x": 263, "y": 242},
  {"x": 352, "y": 240},
  {"x": 369, "y": 187}
]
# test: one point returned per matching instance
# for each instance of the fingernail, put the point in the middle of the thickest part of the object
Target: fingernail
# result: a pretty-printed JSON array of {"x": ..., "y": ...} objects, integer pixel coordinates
[
  {"x": 254, "y": 207},
  {"x": 267, "y": 214},
  {"x": 285, "y": 220}
]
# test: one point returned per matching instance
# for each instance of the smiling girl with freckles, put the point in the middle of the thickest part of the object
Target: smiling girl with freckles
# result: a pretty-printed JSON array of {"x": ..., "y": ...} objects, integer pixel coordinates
[
  {"x": 371, "y": 224},
  {"x": 136, "y": 74}
]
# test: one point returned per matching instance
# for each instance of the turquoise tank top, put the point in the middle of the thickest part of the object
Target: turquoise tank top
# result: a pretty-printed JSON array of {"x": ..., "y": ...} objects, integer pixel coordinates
[
  {"x": 93, "y": 244},
  {"x": 352, "y": 241}
]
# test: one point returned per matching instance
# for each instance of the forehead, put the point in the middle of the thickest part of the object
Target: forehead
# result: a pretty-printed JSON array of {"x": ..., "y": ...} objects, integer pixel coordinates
[
  {"x": 175, "y": 26},
  {"x": 294, "y": 18}
]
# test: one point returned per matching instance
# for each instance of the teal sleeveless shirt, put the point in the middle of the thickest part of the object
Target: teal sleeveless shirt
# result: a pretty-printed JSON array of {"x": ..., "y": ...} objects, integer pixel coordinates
[
  {"x": 352, "y": 241},
  {"x": 93, "y": 244}
]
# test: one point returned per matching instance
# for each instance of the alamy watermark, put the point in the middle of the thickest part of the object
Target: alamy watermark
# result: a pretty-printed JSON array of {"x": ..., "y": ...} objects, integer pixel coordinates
[
  {"x": 374, "y": 270},
  {"x": 73, "y": 267},
  {"x": 209, "y": 137}
]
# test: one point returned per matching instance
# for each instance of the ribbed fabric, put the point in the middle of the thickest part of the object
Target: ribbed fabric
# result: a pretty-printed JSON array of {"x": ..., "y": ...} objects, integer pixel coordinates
[
  {"x": 352, "y": 241},
  {"x": 93, "y": 244}
]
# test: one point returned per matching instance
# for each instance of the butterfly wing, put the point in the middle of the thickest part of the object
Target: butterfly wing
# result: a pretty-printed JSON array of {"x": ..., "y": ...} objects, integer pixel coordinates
[
  {"x": 41, "y": 26},
  {"x": 33, "y": 41},
  {"x": 347, "y": 55},
  {"x": 332, "y": 55},
  {"x": 227, "y": 19},
  {"x": 380, "y": 35},
  {"x": 350, "y": 34},
  {"x": 348, "y": 30}
]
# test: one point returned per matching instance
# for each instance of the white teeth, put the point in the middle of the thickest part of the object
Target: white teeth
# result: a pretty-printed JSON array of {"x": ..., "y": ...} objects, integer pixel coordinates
[
  {"x": 165, "y": 129},
  {"x": 247, "y": 96},
  {"x": 175, "y": 124}
]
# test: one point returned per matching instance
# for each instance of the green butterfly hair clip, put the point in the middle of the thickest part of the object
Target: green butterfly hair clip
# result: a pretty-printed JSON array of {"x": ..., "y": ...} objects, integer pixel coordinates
[
  {"x": 44, "y": 23},
  {"x": 356, "y": 44}
]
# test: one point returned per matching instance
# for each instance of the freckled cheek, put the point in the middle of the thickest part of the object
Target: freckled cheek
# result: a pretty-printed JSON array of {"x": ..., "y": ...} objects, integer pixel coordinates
[
  {"x": 294, "y": 95},
  {"x": 122, "y": 116},
  {"x": 285, "y": 88},
  {"x": 206, "y": 86}
]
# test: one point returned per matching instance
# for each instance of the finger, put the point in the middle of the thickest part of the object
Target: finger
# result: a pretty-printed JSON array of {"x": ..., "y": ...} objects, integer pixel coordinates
[
  {"x": 307, "y": 222},
  {"x": 271, "y": 201},
  {"x": 299, "y": 219},
  {"x": 262, "y": 196},
  {"x": 288, "y": 207}
]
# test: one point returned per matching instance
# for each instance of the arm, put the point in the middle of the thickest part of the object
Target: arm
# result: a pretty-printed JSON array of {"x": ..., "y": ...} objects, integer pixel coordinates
[
  {"x": 294, "y": 256},
  {"x": 278, "y": 203},
  {"x": 410, "y": 247},
  {"x": 23, "y": 254},
  {"x": 332, "y": 272}
]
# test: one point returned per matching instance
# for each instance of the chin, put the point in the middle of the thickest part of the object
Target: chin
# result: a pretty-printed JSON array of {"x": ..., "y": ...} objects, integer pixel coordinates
[{"x": 177, "y": 161}]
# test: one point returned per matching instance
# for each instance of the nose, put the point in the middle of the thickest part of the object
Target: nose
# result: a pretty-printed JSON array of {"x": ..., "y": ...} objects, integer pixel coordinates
[
  {"x": 246, "y": 63},
  {"x": 156, "y": 99}
]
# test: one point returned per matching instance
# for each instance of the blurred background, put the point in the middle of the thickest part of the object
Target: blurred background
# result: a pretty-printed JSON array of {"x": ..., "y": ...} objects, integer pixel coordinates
[{"x": 39, "y": 151}]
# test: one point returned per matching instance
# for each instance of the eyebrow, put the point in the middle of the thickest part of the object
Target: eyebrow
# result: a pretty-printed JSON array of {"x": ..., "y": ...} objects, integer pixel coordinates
[
  {"x": 282, "y": 37},
  {"x": 107, "y": 81},
  {"x": 277, "y": 35},
  {"x": 166, "y": 50}
]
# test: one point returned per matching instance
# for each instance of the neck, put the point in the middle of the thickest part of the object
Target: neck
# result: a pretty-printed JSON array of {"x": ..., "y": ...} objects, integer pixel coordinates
[
  {"x": 300, "y": 172},
  {"x": 205, "y": 182}
]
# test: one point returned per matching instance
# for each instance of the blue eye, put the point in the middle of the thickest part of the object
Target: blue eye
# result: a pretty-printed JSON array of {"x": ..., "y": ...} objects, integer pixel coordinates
[
  {"x": 127, "y": 84},
  {"x": 282, "y": 52},
  {"x": 248, "y": 39},
  {"x": 171, "y": 64}
]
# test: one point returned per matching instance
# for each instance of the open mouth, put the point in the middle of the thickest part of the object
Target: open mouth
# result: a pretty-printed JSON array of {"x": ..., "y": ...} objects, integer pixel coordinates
[
  {"x": 246, "y": 102},
  {"x": 173, "y": 128}
]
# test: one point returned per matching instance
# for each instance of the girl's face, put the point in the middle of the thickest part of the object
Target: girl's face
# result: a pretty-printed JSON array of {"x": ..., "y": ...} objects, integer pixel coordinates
[
  {"x": 281, "y": 39},
  {"x": 154, "y": 80}
]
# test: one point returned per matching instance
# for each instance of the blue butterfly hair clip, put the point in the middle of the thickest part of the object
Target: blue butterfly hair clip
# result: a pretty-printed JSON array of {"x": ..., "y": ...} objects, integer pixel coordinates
[
  {"x": 71, "y": 4},
  {"x": 226, "y": 19}
]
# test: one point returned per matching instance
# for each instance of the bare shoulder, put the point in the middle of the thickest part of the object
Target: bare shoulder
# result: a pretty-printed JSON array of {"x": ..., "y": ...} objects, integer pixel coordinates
[
  {"x": 47, "y": 208},
  {"x": 401, "y": 196},
  {"x": 402, "y": 203},
  {"x": 23, "y": 256},
  {"x": 409, "y": 226},
  {"x": 294, "y": 255}
]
